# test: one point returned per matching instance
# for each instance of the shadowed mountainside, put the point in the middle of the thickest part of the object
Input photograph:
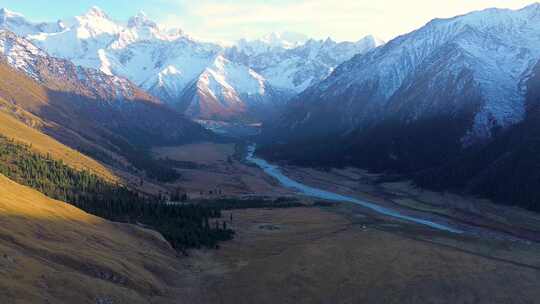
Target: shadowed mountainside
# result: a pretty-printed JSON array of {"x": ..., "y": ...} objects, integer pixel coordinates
[
  {"x": 89, "y": 119},
  {"x": 506, "y": 169}
]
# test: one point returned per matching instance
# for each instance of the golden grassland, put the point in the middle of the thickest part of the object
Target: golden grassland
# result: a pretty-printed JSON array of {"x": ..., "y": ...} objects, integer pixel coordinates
[
  {"x": 21, "y": 97},
  {"x": 52, "y": 252},
  {"x": 345, "y": 254},
  {"x": 339, "y": 255},
  {"x": 34, "y": 114},
  {"x": 18, "y": 87},
  {"x": 12, "y": 128},
  {"x": 23, "y": 91}
]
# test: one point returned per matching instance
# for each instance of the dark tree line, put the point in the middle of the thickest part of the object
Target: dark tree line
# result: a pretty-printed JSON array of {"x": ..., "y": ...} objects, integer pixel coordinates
[
  {"x": 183, "y": 225},
  {"x": 231, "y": 204},
  {"x": 505, "y": 169}
]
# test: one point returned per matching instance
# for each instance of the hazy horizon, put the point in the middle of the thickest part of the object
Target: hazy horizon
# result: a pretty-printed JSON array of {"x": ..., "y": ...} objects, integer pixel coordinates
[{"x": 228, "y": 21}]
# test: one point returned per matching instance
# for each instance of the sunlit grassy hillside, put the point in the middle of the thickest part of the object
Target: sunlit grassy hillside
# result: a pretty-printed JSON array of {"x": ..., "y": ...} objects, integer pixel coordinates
[
  {"x": 12, "y": 128},
  {"x": 52, "y": 252}
]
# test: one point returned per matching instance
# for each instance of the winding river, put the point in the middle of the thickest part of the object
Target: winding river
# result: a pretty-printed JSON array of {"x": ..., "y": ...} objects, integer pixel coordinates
[{"x": 275, "y": 172}]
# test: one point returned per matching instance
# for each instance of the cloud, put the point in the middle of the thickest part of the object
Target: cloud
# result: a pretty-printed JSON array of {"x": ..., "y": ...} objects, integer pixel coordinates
[{"x": 342, "y": 20}]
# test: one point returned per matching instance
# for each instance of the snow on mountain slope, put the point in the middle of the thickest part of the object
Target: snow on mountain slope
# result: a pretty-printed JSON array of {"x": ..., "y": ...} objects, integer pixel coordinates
[
  {"x": 418, "y": 75},
  {"x": 85, "y": 106},
  {"x": 22, "y": 55},
  {"x": 298, "y": 68},
  {"x": 271, "y": 42},
  {"x": 314, "y": 61},
  {"x": 19, "y": 25},
  {"x": 167, "y": 62},
  {"x": 164, "y": 68},
  {"x": 163, "y": 62},
  {"x": 83, "y": 40},
  {"x": 223, "y": 91}
]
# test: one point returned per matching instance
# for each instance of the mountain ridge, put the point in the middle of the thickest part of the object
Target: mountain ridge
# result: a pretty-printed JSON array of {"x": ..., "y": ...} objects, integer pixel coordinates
[
  {"x": 380, "y": 81},
  {"x": 166, "y": 63},
  {"x": 85, "y": 116},
  {"x": 452, "y": 105}
]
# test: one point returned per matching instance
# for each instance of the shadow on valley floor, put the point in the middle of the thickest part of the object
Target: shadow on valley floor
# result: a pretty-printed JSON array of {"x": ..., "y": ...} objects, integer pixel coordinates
[{"x": 341, "y": 255}]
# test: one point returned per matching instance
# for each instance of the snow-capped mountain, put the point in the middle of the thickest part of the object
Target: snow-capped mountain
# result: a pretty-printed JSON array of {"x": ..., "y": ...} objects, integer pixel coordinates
[
  {"x": 62, "y": 74},
  {"x": 94, "y": 39},
  {"x": 469, "y": 68},
  {"x": 190, "y": 74},
  {"x": 271, "y": 42},
  {"x": 215, "y": 94},
  {"x": 105, "y": 108},
  {"x": 298, "y": 68},
  {"x": 12, "y": 20},
  {"x": 503, "y": 169}
]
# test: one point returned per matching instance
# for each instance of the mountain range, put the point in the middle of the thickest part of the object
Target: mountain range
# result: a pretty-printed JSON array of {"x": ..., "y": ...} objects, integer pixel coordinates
[
  {"x": 106, "y": 117},
  {"x": 117, "y": 139},
  {"x": 473, "y": 65},
  {"x": 428, "y": 99},
  {"x": 201, "y": 79}
]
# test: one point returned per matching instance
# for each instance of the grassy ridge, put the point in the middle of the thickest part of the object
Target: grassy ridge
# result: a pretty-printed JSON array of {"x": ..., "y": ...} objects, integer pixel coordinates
[
  {"x": 184, "y": 226},
  {"x": 12, "y": 128},
  {"x": 52, "y": 252}
]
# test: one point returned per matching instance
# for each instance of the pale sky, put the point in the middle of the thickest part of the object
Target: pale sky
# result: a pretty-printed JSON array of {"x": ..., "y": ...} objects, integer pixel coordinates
[{"x": 229, "y": 20}]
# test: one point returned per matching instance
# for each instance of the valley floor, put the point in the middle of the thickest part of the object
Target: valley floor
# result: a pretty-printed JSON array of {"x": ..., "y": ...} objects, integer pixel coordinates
[
  {"x": 209, "y": 166},
  {"x": 317, "y": 253},
  {"x": 345, "y": 253},
  {"x": 341, "y": 255},
  {"x": 475, "y": 216}
]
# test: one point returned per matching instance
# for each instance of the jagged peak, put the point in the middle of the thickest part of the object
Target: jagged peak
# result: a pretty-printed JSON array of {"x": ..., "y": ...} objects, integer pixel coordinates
[
  {"x": 285, "y": 40},
  {"x": 141, "y": 20},
  {"x": 4, "y": 12},
  {"x": 376, "y": 40},
  {"x": 532, "y": 7},
  {"x": 220, "y": 61},
  {"x": 533, "y": 10},
  {"x": 93, "y": 22},
  {"x": 141, "y": 14},
  {"x": 175, "y": 32},
  {"x": 329, "y": 40},
  {"x": 311, "y": 41},
  {"x": 97, "y": 12},
  {"x": 285, "y": 35},
  {"x": 10, "y": 38}
]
